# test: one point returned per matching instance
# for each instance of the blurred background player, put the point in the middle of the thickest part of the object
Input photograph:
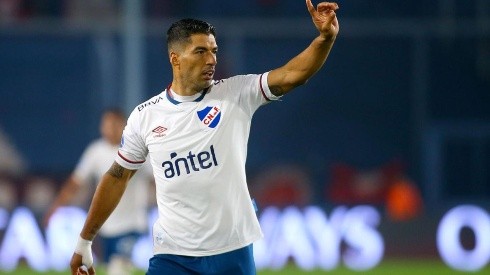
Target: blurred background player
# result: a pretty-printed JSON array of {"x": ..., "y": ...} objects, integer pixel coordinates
[{"x": 128, "y": 221}]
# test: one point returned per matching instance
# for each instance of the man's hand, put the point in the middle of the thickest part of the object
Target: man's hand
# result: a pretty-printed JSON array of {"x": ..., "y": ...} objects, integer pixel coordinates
[
  {"x": 82, "y": 260},
  {"x": 77, "y": 268},
  {"x": 324, "y": 18}
]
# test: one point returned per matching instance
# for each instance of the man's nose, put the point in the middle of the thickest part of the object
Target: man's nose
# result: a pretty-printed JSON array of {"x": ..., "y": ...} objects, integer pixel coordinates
[{"x": 211, "y": 59}]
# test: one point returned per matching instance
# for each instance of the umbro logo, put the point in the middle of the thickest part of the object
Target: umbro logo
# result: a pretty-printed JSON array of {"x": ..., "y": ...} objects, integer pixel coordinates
[{"x": 159, "y": 131}]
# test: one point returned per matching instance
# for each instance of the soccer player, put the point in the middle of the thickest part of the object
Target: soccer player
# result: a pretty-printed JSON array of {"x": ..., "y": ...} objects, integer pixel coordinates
[
  {"x": 128, "y": 221},
  {"x": 195, "y": 135}
]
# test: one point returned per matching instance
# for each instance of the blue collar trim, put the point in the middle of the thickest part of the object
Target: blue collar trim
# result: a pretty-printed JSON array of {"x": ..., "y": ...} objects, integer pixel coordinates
[{"x": 176, "y": 102}]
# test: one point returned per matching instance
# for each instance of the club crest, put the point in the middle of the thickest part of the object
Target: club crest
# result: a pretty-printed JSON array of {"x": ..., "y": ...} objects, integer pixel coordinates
[{"x": 210, "y": 116}]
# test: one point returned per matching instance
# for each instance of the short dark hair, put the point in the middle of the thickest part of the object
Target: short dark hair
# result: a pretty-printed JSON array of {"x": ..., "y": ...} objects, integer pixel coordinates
[{"x": 182, "y": 30}]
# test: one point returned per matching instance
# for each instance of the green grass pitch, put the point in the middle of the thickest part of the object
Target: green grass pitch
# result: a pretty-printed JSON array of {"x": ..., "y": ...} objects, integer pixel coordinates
[{"x": 387, "y": 267}]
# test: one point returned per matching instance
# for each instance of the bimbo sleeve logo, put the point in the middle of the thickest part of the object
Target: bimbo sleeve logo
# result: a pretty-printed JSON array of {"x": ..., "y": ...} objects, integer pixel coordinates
[
  {"x": 210, "y": 116},
  {"x": 192, "y": 162}
]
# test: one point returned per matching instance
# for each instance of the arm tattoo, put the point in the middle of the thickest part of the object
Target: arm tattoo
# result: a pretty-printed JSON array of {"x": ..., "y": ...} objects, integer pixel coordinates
[
  {"x": 116, "y": 170},
  {"x": 276, "y": 90}
]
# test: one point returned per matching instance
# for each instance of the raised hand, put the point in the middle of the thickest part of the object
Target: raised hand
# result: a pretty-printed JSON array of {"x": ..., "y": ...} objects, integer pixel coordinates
[{"x": 324, "y": 18}]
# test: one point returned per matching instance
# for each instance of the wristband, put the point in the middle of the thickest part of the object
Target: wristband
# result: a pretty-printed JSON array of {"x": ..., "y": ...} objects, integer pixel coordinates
[{"x": 84, "y": 248}]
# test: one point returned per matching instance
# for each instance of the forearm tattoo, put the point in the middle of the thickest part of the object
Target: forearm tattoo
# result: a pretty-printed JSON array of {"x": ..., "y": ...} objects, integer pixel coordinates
[{"x": 116, "y": 170}]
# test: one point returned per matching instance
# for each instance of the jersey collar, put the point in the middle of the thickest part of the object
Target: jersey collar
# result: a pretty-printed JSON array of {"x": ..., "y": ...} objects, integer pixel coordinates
[{"x": 176, "y": 102}]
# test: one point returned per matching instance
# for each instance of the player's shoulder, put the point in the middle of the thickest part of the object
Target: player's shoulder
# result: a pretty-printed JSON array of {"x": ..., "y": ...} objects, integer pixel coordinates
[
  {"x": 236, "y": 81},
  {"x": 97, "y": 145},
  {"x": 99, "y": 142},
  {"x": 151, "y": 103},
  {"x": 236, "y": 78}
]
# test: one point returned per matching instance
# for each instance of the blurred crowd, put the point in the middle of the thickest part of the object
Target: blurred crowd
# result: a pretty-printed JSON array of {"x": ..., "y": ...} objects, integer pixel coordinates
[
  {"x": 19, "y": 186},
  {"x": 18, "y": 10}
]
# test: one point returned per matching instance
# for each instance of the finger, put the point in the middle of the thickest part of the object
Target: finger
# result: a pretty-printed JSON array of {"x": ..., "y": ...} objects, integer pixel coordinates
[
  {"x": 75, "y": 264},
  {"x": 82, "y": 270},
  {"x": 325, "y": 6},
  {"x": 331, "y": 17},
  {"x": 310, "y": 7},
  {"x": 91, "y": 271}
]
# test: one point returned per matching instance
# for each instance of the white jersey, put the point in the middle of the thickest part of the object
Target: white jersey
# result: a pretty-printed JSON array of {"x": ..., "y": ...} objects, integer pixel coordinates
[
  {"x": 131, "y": 212},
  {"x": 198, "y": 151}
]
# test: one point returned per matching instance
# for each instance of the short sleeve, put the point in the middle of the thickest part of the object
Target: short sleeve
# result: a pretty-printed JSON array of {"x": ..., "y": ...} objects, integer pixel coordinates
[
  {"x": 264, "y": 88},
  {"x": 132, "y": 151},
  {"x": 254, "y": 91}
]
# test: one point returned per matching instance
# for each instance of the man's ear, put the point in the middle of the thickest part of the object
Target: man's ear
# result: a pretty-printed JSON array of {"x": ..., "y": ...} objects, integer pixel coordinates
[{"x": 174, "y": 58}]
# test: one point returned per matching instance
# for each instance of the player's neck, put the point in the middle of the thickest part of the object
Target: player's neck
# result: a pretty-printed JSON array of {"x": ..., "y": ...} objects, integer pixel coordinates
[{"x": 184, "y": 90}]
